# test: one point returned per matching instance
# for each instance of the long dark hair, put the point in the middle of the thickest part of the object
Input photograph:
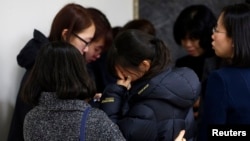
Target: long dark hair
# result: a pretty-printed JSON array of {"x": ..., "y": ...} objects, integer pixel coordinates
[
  {"x": 59, "y": 68},
  {"x": 236, "y": 20},
  {"x": 141, "y": 24}
]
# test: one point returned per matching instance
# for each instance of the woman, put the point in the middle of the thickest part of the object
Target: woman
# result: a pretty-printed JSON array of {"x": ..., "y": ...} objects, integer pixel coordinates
[
  {"x": 193, "y": 30},
  {"x": 72, "y": 24},
  {"x": 96, "y": 55},
  {"x": 150, "y": 100},
  {"x": 227, "y": 94},
  {"x": 59, "y": 87}
]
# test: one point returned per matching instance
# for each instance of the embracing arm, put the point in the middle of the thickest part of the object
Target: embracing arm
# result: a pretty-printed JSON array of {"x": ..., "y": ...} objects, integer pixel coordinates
[
  {"x": 112, "y": 100},
  {"x": 115, "y": 97},
  {"x": 139, "y": 124}
]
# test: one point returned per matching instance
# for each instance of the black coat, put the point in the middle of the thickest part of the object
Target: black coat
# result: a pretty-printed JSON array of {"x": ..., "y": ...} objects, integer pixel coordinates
[
  {"x": 26, "y": 59},
  {"x": 156, "y": 109}
]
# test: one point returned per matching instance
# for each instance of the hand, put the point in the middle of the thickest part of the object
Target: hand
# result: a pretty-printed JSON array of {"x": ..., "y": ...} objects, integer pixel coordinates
[
  {"x": 180, "y": 137},
  {"x": 124, "y": 80},
  {"x": 196, "y": 108},
  {"x": 97, "y": 96}
]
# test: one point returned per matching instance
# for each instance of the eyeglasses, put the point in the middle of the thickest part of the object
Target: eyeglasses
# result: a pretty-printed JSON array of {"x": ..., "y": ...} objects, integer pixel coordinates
[
  {"x": 217, "y": 31},
  {"x": 87, "y": 43}
]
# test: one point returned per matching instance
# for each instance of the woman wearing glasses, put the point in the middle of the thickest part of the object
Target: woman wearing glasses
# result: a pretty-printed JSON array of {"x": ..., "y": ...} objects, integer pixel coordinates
[
  {"x": 227, "y": 95},
  {"x": 72, "y": 24},
  {"x": 96, "y": 55}
]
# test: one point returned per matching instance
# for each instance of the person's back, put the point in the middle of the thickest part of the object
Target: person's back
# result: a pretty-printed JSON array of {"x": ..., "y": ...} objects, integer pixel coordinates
[
  {"x": 59, "y": 87},
  {"x": 57, "y": 119}
]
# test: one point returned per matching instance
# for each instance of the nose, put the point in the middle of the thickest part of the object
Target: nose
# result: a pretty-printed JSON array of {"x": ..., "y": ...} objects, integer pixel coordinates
[
  {"x": 186, "y": 43},
  {"x": 86, "y": 49},
  {"x": 212, "y": 36},
  {"x": 98, "y": 56}
]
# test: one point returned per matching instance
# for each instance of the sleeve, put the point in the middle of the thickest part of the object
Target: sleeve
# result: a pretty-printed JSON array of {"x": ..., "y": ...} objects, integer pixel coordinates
[
  {"x": 139, "y": 124},
  {"x": 215, "y": 103},
  {"x": 112, "y": 101},
  {"x": 215, "y": 99}
]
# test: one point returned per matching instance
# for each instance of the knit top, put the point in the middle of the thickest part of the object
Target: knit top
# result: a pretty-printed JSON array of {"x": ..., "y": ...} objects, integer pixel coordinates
[{"x": 56, "y": 119}]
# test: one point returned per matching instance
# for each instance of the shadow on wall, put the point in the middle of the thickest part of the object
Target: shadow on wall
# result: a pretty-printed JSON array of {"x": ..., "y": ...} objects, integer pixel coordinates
[
  {"x": 162, "y": 13},
  {"x": 5, "y": 119},
  {"x": 7, "y": 107}
]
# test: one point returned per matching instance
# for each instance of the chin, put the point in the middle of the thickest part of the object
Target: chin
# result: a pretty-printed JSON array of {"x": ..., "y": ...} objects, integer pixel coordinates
[
  {"x": 89, "y": 61},
  {"x": 194, "y": 55}
]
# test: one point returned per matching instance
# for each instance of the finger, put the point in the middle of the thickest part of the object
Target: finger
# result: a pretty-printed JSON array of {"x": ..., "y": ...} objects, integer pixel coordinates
[
  {"x": 128, "y": 82},
  {"x": 128, "y": 79},
  {"x": 119, "y": 73},
  {"x": 98, "y": 95},
  {"x": 180, "y": 136}
]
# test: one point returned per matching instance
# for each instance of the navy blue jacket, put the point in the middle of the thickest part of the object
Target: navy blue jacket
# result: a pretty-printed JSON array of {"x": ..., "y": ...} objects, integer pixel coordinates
[
  {"x": 156, "y": 109},
  {"x": 226, "y": 101}
]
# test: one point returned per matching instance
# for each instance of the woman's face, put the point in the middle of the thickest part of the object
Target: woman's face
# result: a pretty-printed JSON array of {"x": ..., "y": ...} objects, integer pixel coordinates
[
  {"x": 125, "y": 72},
  {"x": 95, "y": 50},
  {"x": 134, "y": 74},
  {"x": 221, "y": 43},
  {"x": 192, "y": 47},
  {"x": 82, "y": 39}
]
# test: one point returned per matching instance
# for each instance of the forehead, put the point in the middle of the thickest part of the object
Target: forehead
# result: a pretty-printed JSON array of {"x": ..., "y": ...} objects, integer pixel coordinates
[
  {"x": 88, "y": 32},
  {"x": 220, "y": 20}
]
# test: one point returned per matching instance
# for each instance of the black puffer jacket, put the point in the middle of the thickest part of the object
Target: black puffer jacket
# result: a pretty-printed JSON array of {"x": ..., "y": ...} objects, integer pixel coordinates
[{"x": 156, "y": 109}]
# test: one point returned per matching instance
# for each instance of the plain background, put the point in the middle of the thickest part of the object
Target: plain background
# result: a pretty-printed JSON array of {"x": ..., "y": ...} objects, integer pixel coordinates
[{"x": 18, "y": 20}]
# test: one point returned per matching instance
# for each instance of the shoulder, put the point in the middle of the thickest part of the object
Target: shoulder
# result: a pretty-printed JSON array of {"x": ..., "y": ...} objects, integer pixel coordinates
[
  {"x": 227, "y": 71},
  {"x": 184, "y": 73},
  {"x": 182, "y": 81},
  {"x": 100, "y": 123},
  {"x": 96, "y": 114},
  {"x": 185, "y": 76},
  {"x": 230, "y": 73}
]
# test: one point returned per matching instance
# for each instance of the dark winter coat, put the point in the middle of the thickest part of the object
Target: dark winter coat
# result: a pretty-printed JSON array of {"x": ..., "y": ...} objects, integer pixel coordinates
[
  {"x": 156, "y": 109},
  {"x": 26, "y": 59},
  {"x": 226, "y": 103}
]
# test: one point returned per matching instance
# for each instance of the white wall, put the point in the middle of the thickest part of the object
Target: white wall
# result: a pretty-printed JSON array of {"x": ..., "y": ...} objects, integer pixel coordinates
[{"x": 18, "y": 20}]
